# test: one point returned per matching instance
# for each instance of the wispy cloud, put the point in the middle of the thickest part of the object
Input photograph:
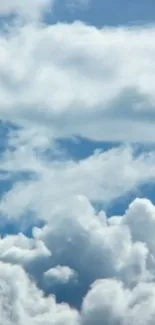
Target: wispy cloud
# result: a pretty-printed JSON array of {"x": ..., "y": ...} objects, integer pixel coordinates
[{"x": 26, "y": 9}]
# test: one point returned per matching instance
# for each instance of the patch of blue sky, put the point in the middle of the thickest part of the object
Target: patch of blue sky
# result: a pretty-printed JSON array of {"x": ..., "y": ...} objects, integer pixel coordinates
[
  {"x": 119, "y": 205},
  {"x": 7, "y": 179},
  {"x": 105, "y": 12},
  {"x": 80, "y": 148},
  {"x": 5, "y": 129},
  {"x": 8, "y": 22},
  {"x": 25, "y": 225},
  {"x": 73, "y": 292}
]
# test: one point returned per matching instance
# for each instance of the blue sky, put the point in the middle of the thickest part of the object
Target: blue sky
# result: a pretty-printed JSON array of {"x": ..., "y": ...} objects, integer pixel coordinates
[
  {"x": 77, "y": 162},
  {"x": 102, "y": 12}
]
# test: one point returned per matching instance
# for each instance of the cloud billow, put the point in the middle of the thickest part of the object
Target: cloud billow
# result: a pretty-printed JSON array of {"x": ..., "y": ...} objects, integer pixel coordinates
[{"x": 117, "y": 268}]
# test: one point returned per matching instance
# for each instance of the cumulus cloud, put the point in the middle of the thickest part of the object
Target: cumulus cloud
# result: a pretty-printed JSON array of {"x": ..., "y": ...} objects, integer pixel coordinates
[
  {"x": 22, "y": 302},
  {"x": 77, "y": 79},
  {"x": 59, "y": 274},
  {"x": 110, "y": 303},
  {"x": 106, "y": 303},
  {"x": 115, "y": 270},
  {"x": 97, "y": 248}
]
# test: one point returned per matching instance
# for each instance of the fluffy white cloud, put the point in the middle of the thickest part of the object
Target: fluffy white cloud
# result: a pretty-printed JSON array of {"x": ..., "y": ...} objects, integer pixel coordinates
[
  {"x": 96, "y": 250},
  {"x": 90, "y": 241},
  {"x": 106, "y": 303},
  {"x": 94, "y": 247},
  {"x": 59, "y": 274},
  {"x": 140, "y": 217},
  {"x": 21, "y": 302},
  {"x": 77, "y": 79},
  {"x": 110, "y": 303}
]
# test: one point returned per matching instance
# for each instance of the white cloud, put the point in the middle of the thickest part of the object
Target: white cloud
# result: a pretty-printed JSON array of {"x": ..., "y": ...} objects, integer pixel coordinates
[
  {"x": 21, "y": 302},
  {"x": 108, "y": 302},
  {"x": 95, "y": 249},
  {"x": 102, "y": 177},
  {"x": 140, "y": 217},
  {"x": 21, "y": 250},
  {"x": 59, "y": 274},
  {"x": 59, "y": 81},
  {"x": 77, "y": 79}
]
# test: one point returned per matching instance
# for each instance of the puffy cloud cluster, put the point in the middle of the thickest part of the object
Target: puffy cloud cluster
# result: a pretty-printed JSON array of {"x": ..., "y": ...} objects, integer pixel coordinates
[
  {"x": 21, "y": 302},
  {"x": 114, "y": 260},
  {"x": 121, "y": 306}
]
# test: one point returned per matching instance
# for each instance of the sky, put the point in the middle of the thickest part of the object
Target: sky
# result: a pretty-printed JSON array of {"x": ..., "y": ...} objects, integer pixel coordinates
[{"x": 77, "y": 162}]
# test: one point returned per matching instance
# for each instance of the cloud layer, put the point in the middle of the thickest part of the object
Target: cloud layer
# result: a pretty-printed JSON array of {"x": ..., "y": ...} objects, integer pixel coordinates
[
  {"x": 78, "y": 266},
  {"x": 77, "y": 79}
]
